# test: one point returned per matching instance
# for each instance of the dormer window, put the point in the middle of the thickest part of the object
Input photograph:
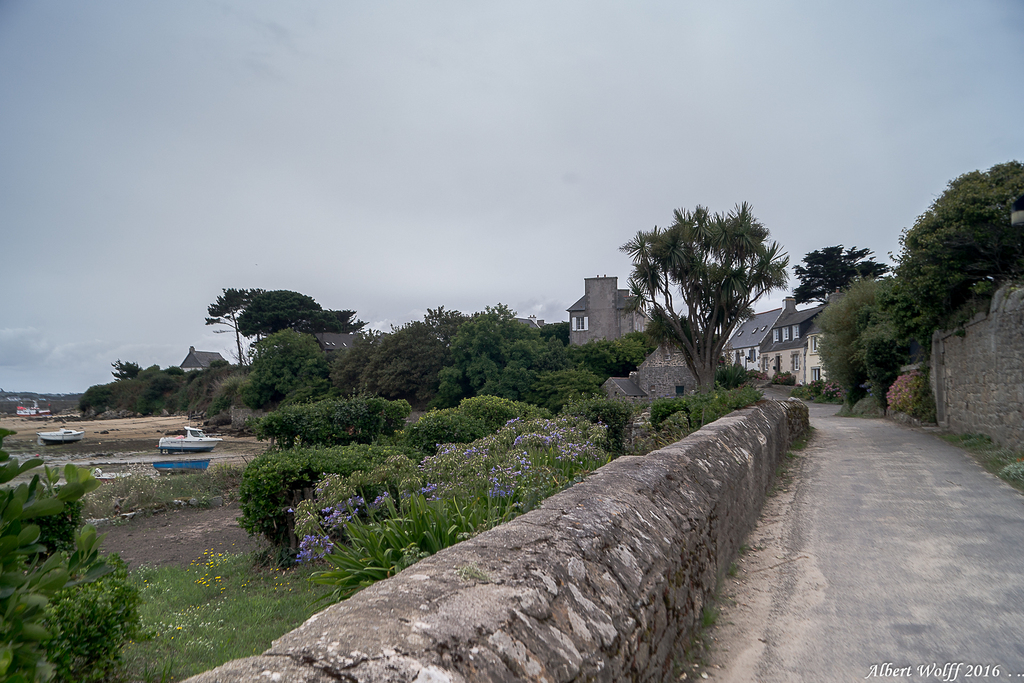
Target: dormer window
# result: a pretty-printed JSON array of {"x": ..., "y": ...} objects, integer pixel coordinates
[
  {"x": 796, "y": 331},
  {"x": 776, "y": 334},
  {"x": 785, "y": 334}
]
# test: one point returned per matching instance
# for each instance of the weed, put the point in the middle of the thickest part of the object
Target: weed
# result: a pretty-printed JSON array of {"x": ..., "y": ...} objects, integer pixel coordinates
[
  {"x": 1005, "y": 463},
  {"x": 709, "y": 616},
  {"x": 473, "y": 573},
  {"x": 734, "y": 569}
]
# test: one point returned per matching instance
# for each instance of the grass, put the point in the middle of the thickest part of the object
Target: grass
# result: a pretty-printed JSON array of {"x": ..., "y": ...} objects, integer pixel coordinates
[
  {"x": 140, "y": 490},
  {"x": 1005, "y": 463},
  {"x": 218, "y": 609}
]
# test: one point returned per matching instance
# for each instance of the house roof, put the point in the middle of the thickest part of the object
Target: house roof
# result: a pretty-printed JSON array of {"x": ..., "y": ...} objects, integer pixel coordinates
[
  {"x": 622, "y": 299},
  {"x": 804, "y": 319},
  {"x": 199, "y": 359},
  {"x": 334, "y": 341},
  {"x": 627, "y": 386},
  {"x": 753, "y": 331},
  {"x": 531, "y": 322}
]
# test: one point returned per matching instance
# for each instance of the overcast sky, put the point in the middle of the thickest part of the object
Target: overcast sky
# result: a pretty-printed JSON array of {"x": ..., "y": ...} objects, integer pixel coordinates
[{"x": 391, "y": 157}]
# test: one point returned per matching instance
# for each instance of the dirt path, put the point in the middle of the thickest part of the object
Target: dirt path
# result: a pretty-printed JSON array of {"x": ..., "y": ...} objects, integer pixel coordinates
[{"x": 178, "y": 537}]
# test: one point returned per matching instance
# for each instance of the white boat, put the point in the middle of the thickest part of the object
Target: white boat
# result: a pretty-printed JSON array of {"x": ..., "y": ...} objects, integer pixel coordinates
[
  {"x": 194, "y": 441},
  {"x": 63, "y": 435}
]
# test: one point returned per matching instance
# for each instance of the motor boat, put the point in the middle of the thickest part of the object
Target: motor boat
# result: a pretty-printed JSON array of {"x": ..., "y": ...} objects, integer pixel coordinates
[
  {"x": 194, "y": 441},
  {"x": 34, "y": 411},
  {"x": 63, "y": 435}
]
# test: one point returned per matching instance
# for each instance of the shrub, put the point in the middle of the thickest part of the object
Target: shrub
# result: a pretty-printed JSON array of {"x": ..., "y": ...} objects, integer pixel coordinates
[
  {"x": 97, "y": 398},
  {"x": 91, "y": 623},
  {"x": 495, "y": 411},
  {"x": 274, "y": 483},
  {"x": 703, "y": 408},
  {"x": 730, "y": 376},
  {"x": 785, "y": 378},
  {"x": 911, "y": 394},
  {"x": 805, "y": 392},
  {"x": 615, "y": 415},
  {"x": 443, "y": 426},
  {"x": 334, "y": 422},
  {"x": 28, "y": 581},
  {"x": 57, "y": 532},
  {"x": 1013, "y": 472}
]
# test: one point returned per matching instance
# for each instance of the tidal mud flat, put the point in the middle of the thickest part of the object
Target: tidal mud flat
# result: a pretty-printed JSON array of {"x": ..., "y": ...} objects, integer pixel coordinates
[{"x": 115, "y": 444}]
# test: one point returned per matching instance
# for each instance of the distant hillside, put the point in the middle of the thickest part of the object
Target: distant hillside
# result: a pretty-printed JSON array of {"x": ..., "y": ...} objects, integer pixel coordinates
[{"x": 10, "y": 400}]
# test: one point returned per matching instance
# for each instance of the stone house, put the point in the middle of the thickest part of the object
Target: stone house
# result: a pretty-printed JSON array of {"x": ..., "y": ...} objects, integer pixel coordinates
[
  {"x": 664, "y": 374},
  {"x": 785, "y": 349},
  {"x": 602, "y": 312},
  {"x": 199, "y": 360},
  {"x": 744, "y": 347}
]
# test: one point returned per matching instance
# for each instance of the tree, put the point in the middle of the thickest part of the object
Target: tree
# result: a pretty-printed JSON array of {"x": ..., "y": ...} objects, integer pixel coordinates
[
  {"x": 859, "y": 347},
  {"x": 271, "y": 312},
  {"x": 226, "y": 309},
  {"x": 831, "y": 270},
  {"x": 958, "y": 252},
  {"x": 612, "y": 357},
  {"x": 346, "y": 321},
  {"x": 125, "y": 369},
  {"x": 286, "y": 364},
  {"x": 718, "y": 265}
]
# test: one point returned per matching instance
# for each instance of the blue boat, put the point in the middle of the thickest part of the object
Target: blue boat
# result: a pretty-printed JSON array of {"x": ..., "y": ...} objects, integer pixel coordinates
[{"x": 181, "y": 465}]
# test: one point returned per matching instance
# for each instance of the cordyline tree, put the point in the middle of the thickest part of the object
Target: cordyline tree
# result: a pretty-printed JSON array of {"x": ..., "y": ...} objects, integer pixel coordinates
[{"x": 698, "y": 278}]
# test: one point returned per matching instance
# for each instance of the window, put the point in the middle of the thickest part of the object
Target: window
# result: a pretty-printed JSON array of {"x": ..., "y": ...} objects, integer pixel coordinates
[
  {"x": 751, "y": 355},
  {"x": 814, "y": 343},
  {"x": 796, "y": 362},
  {"x": 785, "y": 334},
  {"x": 680, "y": 390},
  {"x": 796, "y": 331},
  {"x": 776, "y": 334},
  {"x": 815, "y": 374},
  {"x": 580, "y": 324}
]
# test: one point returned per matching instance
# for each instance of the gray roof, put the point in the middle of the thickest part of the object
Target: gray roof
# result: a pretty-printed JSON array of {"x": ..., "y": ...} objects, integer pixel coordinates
[
  {"x": 334, "y": 341},
  {"x": 200, "y": 359},
  {"x": 624, "y": 384},
  {"x": 804, "y": 319},
  {"x": 753, "y": 331},
  {"x": 622, "y": 299}
]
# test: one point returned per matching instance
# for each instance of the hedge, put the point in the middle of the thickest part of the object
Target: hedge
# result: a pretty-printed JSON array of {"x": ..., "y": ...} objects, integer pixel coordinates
[{"x": 334, "y": 422}]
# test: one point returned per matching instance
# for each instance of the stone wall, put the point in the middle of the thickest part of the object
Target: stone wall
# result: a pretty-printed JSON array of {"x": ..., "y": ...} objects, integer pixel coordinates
[
  {"x": 978, "y": 376},
  {"x": 606, "y": 581}
]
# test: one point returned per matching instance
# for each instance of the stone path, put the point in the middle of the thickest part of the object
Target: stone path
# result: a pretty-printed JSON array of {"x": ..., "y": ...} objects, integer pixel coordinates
[{"x": 889, "y": 549}]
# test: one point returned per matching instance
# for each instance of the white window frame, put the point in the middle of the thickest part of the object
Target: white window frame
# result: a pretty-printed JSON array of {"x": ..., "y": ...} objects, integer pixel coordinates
[
  {"x": 815, "y": 374},
  {"x": 777, "y": 335},
  {"x": 581, "y": 323},
  {"x": 785, "y": 333},
  {"x": 814, "y": 343},
  {"x": 796, "y": 331}
]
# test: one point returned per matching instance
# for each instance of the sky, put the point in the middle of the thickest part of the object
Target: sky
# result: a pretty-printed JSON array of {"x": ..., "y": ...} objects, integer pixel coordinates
[{"x": 391, "y": 157}]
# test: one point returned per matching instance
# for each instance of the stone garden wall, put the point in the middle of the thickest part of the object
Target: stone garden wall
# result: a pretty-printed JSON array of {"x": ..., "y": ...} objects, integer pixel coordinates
[
  {"x": 978, "y": 374},
  {"x": 606, "y": 581}
]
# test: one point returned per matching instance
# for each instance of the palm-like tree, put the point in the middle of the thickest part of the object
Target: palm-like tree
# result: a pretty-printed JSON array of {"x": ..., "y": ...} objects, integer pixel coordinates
[{"x": 698, "y": 278}]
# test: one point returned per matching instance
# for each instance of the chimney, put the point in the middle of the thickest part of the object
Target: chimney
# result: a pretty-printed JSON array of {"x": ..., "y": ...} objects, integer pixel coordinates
[{"x": 789, "y": 304}]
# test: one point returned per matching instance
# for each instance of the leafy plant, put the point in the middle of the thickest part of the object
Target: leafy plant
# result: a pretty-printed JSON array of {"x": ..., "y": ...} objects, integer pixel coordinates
[
  {"x": 614, "y": 415},
  {"x": 29, "y": 583},
  {"x": 333, "y": 422},
  {"x": 785, "y": 378},
  {"x": 91, "y": 623},
  {"x": 730, "y": 376},
  {"x": 443, "y": 426}
]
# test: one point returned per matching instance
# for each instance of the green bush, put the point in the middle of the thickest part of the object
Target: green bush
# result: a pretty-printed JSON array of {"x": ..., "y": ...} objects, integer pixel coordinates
[
  {"x": 443, "y": 426},
  {"x": 97, "y": 398},
  {"x": 615, "y": 415},
  {"x": 277, "y": 481},
  {"x": 28, "y": 582},
  {"x": 495, "y": 411},
  {"x": 57, "y": 532},
  {"x": 701, "y": 409},
  {"x": 785, "y": 378},
  {"x": 334, "y": 422},
  {"x": 1013, "y": 472},
  {"x": 91, "y": 623},
  {"x": 730, "y": 376}
]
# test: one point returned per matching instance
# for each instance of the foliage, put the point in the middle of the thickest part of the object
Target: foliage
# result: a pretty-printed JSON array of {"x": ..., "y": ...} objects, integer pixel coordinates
[
  {"x": 820, "y": 391},
  {"x": 57, "y": 532},
  {"x": 559, "y": 331},
  {"x": 225, "y": 311},
  {"x": 225, "y": 394},
  {"x": 958, "y": 252},
  {"x": 912, "y": 395},
  {"x": 29, "y": 582},
  {"x": 275, "y": 482},
  {"x": 494, "y": 354},
  {"x": 153, "y": 390},
  {"x": 443, "y": 426},
  {"x": 217, "y": 609},
  {"x": 715, "y": 267},
  {"x": 702, "y": 409},
  {"x": 378, "y": 548},
  {"x": 614, "y": 415},
  {"x": 140, "y": 491},
  {"x": 859, "y": 347},
  {"x": 730, "y": 376},
  {"x": 786, "y": 378},
  {"x": 332, "y": 422},
  {"x": 1006, "y": 463},
  {"x": 125, "y": 370},
  {"x": 831, "y": 270},
  {"x": 405, "y": 363},
  {"x": 347, "y": 365},
  {"x": 271, "y": 312},
  {"x": 495, "y": 412},
  {"x": 91, "y": 623},
  {"x": 554, "y": 389},
  {"x": 286, "y": 363},
  {"x": 612, "y": 357},
  {"x": 97, "y": 399}
]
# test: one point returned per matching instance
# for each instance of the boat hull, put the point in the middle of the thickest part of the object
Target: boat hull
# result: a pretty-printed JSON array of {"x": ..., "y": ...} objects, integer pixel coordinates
[
  {"x": 181, "y": 465},
  {"x": 186, "y": 447},
  {"x": 63, "y": 436}
]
